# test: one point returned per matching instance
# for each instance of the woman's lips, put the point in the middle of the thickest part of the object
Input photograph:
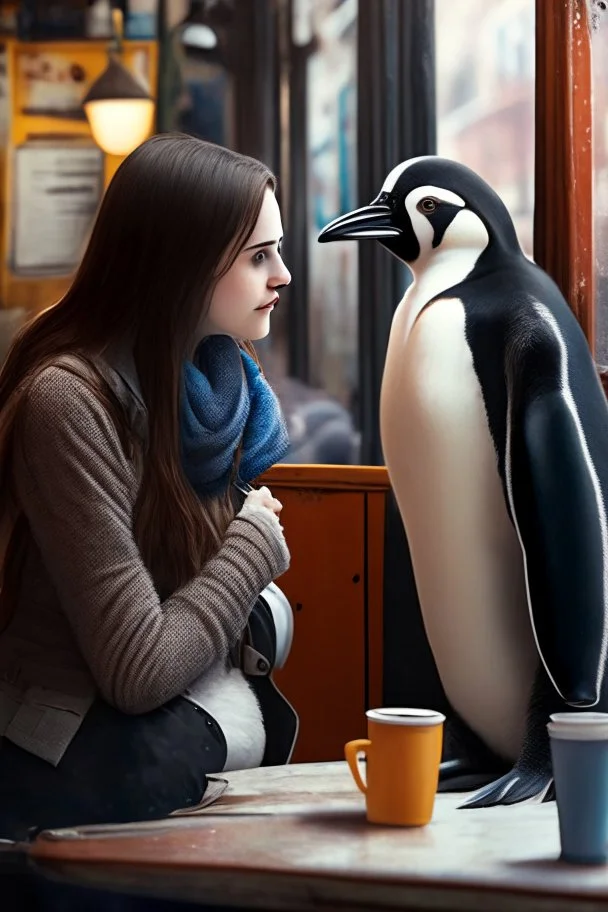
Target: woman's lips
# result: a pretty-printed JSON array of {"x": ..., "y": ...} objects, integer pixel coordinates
[{"x": 270, "y": 304}]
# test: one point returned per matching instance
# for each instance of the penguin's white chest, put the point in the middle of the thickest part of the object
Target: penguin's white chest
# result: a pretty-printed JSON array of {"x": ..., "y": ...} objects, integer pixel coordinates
[{"x": 466, "y": 556}]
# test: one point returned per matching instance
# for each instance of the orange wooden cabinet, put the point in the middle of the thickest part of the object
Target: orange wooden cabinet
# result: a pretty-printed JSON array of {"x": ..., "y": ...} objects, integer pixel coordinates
[{"x": 333, "y": 518}]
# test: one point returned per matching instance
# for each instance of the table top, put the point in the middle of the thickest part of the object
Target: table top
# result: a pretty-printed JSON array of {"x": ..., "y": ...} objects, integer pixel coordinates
[{"x": 294, "y": 837}]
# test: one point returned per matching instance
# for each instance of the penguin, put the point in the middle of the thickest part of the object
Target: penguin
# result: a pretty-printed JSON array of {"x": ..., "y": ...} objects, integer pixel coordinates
[{"x": 494, "y": 429}]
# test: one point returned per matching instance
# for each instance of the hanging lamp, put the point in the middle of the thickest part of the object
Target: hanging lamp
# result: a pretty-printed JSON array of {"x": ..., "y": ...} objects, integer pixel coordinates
[{"x": 119, "y": 109}]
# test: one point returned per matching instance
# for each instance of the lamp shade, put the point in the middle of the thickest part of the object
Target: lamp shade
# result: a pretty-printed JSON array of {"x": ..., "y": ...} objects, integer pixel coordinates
[{"x": 119, "y": 109}]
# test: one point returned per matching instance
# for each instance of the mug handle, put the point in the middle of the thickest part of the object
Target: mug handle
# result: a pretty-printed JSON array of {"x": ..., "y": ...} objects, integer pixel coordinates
[{"x": 350, "y": 752}]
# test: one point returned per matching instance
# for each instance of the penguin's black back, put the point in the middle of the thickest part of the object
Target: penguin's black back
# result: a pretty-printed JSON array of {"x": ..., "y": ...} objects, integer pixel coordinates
[{"x": 509, "y": 338}]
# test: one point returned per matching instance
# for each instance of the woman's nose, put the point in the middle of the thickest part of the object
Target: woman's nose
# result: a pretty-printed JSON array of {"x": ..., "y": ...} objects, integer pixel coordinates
[{"x": 282, "y": 277}]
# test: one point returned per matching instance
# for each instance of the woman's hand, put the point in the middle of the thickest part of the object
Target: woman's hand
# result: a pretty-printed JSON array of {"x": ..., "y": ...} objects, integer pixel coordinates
[
  {"x": 262, "y": 497},
  {"x": 267, "y": 507}
]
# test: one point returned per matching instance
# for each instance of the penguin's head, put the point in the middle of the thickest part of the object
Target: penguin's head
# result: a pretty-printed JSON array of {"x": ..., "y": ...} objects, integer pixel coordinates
[{"x": 428, "y": 204}]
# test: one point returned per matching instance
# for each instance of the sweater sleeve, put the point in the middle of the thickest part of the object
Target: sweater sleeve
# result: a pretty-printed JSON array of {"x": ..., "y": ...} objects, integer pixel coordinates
[{"x": 77, "y": 490}]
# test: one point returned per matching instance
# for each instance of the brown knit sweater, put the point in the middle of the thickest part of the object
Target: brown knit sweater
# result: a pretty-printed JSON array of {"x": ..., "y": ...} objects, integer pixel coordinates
[{"x": 89, "y": 618}]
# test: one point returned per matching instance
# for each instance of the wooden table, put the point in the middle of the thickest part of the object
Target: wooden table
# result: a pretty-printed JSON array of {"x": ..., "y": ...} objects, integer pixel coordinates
[{"x": 295, "y": 838}]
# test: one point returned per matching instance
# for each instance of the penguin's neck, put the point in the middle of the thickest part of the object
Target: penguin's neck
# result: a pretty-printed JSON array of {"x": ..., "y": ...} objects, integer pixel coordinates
[{"x": 434, "y": 273}]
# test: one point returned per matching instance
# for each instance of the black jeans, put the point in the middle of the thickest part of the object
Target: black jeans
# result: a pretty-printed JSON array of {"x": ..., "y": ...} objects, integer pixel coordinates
[{"x": 117, "y": 769}]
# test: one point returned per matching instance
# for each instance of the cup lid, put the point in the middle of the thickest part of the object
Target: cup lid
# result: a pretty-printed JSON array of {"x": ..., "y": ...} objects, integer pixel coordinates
[
  {"x": 398, "y": 715},
  {"x": 579, "y": 726}
]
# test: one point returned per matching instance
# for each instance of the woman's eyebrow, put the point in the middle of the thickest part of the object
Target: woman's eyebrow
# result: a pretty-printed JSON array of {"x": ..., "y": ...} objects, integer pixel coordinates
[{"x": 263, "y": 244}]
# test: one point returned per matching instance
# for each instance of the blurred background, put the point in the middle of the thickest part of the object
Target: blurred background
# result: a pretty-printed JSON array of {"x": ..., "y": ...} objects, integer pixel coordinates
[{"x": 331, "y": 94}]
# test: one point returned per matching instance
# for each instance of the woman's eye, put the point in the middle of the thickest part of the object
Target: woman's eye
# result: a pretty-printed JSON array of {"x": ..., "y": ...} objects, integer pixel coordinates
[{"x": 259, "y": 256}]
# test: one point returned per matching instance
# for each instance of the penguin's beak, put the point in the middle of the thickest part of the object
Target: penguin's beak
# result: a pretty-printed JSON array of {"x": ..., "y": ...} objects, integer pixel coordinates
[{"x": 373, "y": 221}]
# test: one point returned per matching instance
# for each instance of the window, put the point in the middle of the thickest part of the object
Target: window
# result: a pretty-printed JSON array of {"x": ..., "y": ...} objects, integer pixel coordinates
[
  {"x": 332, "y": 168},
  {"x": 485, "y": 97}
]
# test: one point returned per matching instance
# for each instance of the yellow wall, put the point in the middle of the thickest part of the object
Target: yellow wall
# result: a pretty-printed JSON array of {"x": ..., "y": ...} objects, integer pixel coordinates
[{"x": 35, "y": 293}]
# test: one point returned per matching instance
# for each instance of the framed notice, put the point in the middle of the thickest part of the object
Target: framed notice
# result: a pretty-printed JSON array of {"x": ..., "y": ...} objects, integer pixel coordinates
[{"x": 56, "y": 192}]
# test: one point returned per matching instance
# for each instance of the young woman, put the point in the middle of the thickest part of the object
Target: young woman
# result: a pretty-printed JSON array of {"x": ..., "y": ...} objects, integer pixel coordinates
[{"x": 131, "y": 414}]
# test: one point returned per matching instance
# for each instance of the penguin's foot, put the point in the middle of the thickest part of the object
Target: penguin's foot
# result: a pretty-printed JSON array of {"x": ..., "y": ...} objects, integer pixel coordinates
[
  {"x": 521, "y": 784},
  {"x": 467, "y": 762},
  {"x": 460, "y": 776}
]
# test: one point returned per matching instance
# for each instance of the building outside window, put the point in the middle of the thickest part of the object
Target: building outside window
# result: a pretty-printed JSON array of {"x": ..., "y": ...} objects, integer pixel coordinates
[{"x": 485, "y": 97}]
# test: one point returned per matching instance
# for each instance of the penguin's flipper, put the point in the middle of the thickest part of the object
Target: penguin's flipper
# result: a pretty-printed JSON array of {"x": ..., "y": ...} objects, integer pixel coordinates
[
  {"x": 520, "y": 784},
  {"x": 556, "y": 501}
]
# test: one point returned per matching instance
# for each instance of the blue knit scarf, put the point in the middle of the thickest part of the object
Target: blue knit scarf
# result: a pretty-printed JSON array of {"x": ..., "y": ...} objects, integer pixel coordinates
[{"x": 225, "y": 401}]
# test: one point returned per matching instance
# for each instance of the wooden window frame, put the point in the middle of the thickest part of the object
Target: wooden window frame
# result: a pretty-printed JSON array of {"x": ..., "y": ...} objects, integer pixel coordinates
[{"x": 563, "y": 210}]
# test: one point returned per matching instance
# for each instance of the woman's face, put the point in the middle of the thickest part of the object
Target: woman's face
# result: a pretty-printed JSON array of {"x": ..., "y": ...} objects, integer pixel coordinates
[{"x": 244, "y": 298}]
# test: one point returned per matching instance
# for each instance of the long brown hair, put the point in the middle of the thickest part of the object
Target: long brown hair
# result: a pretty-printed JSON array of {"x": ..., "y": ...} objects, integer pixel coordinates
[{"x": 172, "y": 221}]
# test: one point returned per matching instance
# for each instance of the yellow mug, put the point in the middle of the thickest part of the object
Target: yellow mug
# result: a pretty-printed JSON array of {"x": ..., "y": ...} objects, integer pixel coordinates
[{"x": 403, "y": 752}]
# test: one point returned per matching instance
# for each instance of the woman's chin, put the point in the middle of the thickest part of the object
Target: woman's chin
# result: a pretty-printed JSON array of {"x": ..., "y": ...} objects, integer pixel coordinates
[{"x": 261, "y": 331}]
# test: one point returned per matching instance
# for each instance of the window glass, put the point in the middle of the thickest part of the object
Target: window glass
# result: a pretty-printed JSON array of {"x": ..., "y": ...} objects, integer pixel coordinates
[
  {"x": 332, "y": 168},
  {"x": 485, "y": 97},
  {"x": 321, "y": 412}
]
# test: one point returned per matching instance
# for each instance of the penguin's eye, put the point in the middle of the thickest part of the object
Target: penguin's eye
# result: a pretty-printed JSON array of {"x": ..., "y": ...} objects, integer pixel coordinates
[{"x": 428, "y": 204}]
